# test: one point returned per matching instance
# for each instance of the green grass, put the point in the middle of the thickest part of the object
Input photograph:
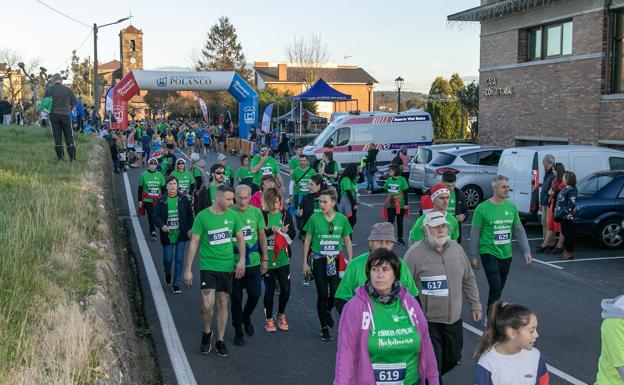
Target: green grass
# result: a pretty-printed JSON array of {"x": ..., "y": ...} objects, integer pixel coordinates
[{"x": 46, "y": 219}]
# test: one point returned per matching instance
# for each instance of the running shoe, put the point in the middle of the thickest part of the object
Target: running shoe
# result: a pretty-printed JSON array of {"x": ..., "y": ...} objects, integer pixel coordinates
[
  {"x": 329, "y": 319},
  {"x": 221, "y": 349},
  {"x": 206, "y": 346},
  {"x": 282, "y": 324},
  {"x": 239, "y": 338},
  {"x": 175, "y": 289},
  {"x": 249, "y": 328},
  {"x": 325, "y": 336},
  {"x": 167, "y": 278},
  {"x": 153, "y": 236},
  {"x": 269, "y": 326}
]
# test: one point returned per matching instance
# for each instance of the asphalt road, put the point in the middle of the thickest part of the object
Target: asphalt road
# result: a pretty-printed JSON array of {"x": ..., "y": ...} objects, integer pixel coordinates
[{"x": 565, "y": 296}]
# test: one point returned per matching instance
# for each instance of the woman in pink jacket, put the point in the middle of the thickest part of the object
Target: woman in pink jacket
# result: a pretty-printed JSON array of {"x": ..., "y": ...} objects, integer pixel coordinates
[{"x": 383, "y": 337}]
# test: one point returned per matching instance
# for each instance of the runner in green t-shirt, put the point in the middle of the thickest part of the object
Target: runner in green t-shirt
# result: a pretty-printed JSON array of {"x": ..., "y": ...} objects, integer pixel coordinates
[
  {"x": 213, "y": 232},
  {"x": 206, "y": 195},
  {"x": 243, "y": 174},
  {"x": 381, "y": 236},
  {"x": 151, "y": 184},
  {"x": 253, "y": 227},
  {"x": 294, "y": 161},
  {"x": 186, "y": 182},
  {"x": 264, "y": 164},
  {"x": 440, "y": 196},
  {"x": 348, "y": 204},
  {"x": 493, "y": 223},
  {"x": 326, "y": 233},
  {"x": 280, "y": 231},
  {"x": 229, "y": 174},
  {"x": 397, "y": 200}
]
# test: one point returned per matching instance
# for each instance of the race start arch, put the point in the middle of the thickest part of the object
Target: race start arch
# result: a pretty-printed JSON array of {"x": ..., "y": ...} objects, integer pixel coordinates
[{"x": 230, "y": 81}]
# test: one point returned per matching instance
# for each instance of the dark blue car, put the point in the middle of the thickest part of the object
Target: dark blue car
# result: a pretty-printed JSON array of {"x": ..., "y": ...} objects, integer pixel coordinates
[{"x": 600, "y": 208}]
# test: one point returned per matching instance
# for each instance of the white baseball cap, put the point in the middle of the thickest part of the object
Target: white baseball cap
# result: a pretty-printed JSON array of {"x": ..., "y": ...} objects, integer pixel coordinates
[{"x": 435, "y": 219}]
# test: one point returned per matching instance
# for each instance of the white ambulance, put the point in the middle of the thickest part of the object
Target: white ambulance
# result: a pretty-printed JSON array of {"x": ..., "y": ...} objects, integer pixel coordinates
[{"x": 349, "y": 136}]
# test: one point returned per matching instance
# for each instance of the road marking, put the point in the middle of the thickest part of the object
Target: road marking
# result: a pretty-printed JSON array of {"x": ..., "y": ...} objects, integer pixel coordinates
[
  {"x": 182, "y": 369},
  {"x": 551, "y": 369},
  {"x": 587, "y": 259},
  {"x": 548, "y": 264}
]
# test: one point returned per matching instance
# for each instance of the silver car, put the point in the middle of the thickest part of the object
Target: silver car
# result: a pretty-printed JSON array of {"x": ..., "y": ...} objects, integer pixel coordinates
[
  {"x": 423, "y": 156},
  {"x": 475, "y": 167}
]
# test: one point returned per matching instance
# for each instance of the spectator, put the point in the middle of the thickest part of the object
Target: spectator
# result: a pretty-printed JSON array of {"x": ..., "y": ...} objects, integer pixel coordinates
[
  {"x": 554, "y": 226},
  {"x": 564, "y": 211},
  {"x": 5, "y": 111},
  {"x": 549, "y": 174},
  {"x": 283, "y": 148},
  {"x": 63, "y": 100},
  {"x": 80, "y": 115},
  {"x": 370, "y": 164}
]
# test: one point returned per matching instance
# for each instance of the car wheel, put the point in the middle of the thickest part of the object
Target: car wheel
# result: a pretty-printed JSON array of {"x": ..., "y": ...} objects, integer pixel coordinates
[
  {"x": 473, "y": 195},
  {"x": 610, "y": 234}
]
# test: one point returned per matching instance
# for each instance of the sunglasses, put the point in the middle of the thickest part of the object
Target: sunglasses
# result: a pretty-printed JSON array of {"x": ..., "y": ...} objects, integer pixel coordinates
[
  {"x": 219, "y": 172},
  {"x": 181, "y": 163},
  {"x": 153, "y": 163}
]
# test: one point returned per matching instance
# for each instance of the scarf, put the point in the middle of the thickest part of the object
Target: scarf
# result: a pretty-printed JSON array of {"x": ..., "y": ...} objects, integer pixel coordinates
[{"x": 385, "y": 299}]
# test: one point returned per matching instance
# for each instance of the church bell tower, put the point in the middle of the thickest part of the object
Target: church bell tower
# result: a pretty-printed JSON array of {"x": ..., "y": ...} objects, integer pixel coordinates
[{"x": 131, "y": 47}]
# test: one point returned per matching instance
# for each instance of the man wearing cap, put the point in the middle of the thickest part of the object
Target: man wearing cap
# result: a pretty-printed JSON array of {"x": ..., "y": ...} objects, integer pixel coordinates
[
  {"x": 457, "y": 204},
  {"x": 381, "y": 236},
  {"x": 228, "y": 176},
  {"x": 151, "y": 185},
  {"x": 440, "y": 196},
  {"x": 206, "y": 195},
  {"x": 264, "y": 164},
  {"x": 63, "y": 100},
  {"x": 443, "y": 273},
  {"x": 186, "y": 182}
]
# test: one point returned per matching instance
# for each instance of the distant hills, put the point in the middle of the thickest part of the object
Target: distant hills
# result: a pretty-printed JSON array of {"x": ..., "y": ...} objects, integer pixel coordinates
[{"x": 387, "y": 100}]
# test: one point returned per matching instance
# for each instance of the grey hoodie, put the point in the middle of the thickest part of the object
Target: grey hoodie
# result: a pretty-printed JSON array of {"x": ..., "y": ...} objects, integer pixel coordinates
[{"x": 613, "y": 308}]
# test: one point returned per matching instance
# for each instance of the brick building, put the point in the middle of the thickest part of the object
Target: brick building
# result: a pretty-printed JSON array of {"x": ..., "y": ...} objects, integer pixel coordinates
[{"x": 551, "y": 71}]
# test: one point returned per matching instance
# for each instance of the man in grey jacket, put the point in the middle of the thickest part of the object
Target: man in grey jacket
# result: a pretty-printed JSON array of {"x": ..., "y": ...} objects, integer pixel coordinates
[
  {"x": 443, "y": 273},
  {"x": 63, "y": 100}
]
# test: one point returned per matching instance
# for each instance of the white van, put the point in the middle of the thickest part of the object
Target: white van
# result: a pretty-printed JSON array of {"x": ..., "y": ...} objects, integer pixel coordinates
[
  {"x": 350, "y": 136},
  {"x": 523, "y": 166}
]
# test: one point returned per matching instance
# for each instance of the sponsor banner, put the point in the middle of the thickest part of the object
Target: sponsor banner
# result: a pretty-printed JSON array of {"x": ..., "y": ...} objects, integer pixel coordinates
[
  {"x": 127, "y": 87},
  {"x": 183, "y": 81},
  {"x": 204, "y": 108},
  {"x": 366, "y": 147},
  {"x": 412, "y": 118},
  {"x": 266, "y": 118}
]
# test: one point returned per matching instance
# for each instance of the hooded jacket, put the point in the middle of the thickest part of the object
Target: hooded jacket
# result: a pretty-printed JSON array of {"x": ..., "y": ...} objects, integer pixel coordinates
[
  {"x": 448, "y": 275},
  {"x": 185, "y": 218},
  {"x": 353, "y": 365}
]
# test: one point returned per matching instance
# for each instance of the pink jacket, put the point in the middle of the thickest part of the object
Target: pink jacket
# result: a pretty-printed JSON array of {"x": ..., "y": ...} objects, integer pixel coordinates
[{"x": 353, "y": 366}]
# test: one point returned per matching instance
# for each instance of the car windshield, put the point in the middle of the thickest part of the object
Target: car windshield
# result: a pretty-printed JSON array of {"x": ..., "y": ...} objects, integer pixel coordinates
[
  {"x": 593, "y": 183},
  {"x": 423, "y": 156},
  {"x": 323, "y": 136},
  {"x": 443, "y": 159}
]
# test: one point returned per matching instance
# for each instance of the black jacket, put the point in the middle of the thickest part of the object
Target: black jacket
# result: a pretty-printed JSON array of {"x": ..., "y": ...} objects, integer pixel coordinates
[{"x": 185, "y": 217}]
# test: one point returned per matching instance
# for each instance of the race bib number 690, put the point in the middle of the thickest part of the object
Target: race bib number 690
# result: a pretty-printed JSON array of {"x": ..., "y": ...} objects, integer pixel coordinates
[{"x": 219, "y": 236}]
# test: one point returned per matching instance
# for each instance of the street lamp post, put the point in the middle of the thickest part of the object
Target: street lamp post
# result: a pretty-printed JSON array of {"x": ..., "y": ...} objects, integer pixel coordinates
[
  {"x": 96, "y": 91},
  {"x": 369, "y": 86},
  {"x": 399, "y": 84}
]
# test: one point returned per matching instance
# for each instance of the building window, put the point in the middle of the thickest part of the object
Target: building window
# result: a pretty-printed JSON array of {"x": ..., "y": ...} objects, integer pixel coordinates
[
  {"x": 618, "y": 53},
  {"x": 132, "y": 46},
  {"x": 549, "y": 41}
]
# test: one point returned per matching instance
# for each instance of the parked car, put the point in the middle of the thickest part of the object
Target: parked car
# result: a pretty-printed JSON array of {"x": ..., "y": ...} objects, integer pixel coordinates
[
  {"x": 523, "y": 166},
  {"x": 600, "y": 208},
  {"x": 424, "y": 155},
  {"x": 475, "y": 168}
]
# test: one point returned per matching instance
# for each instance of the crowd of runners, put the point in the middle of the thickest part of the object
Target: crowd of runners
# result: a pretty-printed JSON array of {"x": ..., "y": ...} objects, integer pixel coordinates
[{"x": 400, "y": 316}]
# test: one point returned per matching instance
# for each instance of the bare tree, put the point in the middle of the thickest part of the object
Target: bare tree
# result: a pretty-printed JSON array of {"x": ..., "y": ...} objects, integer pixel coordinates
[
  {"x": 310, "y": 54},
  {"x": 16, "y": 85}
]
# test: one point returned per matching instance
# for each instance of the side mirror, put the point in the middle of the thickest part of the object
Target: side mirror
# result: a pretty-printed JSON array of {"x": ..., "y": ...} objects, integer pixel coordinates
[{"x": 329, "y": 142}]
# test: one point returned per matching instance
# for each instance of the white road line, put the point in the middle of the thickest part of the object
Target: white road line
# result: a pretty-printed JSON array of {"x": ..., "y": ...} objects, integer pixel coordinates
[
  {"x": 548, "y": 264},
  {"x": 587, "y": 259},
  {"x": 182, "y": 369},
  {"x": 551, "y": 369}
]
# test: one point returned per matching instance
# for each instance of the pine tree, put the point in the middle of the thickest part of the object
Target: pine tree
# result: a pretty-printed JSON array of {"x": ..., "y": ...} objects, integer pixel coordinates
[{"x": 222, "y": 51}]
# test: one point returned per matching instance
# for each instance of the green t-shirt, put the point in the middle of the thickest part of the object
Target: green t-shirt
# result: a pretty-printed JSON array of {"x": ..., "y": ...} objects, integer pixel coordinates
[
  {"x": 293, "y": 164},
  {"x": 396, "y": 186},
  {"x": 612, "y": 352},
  {"x": 185, "y": 180},
  {"x": 393, "y": 345},
  {"x": 418, "y": 231},
  {"x": 496, "y": 224},
  {"x": 303, "y": 176},
  {"x": 161, "y": 127},
  {"x": 227, "y": 177},
  {"x": 242, "y": 173},
  {"x": 269, "y": 167},
  {"x": 328, "y": 180},
  {"x": 213, "y": 192},
  {"x": 282, "y": 257},
  {"x": 323, "y": 242},
  {"x": 196, "y": 171},
  {"x": 347, "y": 184},
  {"x": 451, "y": 208},
  {"x": 216, "y": 252},
  {"x": 173, "y": 219},
  {"x": 152, "y": 182},
  {"x": 355, "y": 276},
  {"x": 252, "y": 222}
]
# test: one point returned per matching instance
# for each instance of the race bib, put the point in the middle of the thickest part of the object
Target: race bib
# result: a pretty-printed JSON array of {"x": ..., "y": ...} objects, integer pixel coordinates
[
  {"x": 183, "y": 189},
  {"x": 271, "y": 243},
  {"x": 266, "y": 170},
  {"x": 304, "y": 186},
  {"x": 219, "y": 236},
  {"x": 393, "y": 188},
  {"x": 389, "y": 374},
  {"x": 153, "y": 191},
  {"x": 329, "y": 248},
  {"x": 502, "y": 237},
  {"x": 172, "y": 223},
  {"x": 247, "y": 233},
  {"x": 436, "y": 286}
]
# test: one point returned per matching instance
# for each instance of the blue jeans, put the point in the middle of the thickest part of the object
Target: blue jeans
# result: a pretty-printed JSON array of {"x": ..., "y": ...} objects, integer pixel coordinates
[
  {"x": 370, "y": 184},
  {"x": 169, "y": 252}
]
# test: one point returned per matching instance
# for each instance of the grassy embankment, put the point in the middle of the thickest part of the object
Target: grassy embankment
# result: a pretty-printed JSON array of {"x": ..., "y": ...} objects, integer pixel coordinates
[{"x": 49, "y": 223}]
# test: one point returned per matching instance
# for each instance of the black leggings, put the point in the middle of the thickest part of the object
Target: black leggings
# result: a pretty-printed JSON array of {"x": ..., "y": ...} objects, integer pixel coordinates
[
  {"x": 567, "y": 228},
  {"x": 149, "y": 210},
  {"x": 61, "y": 126},
  {"x": 399, "y": 218},
  {"x": 353, "y": 218},
  {"x": 496, "y": 272},
  {"x": 282, "y": 275},
  {"x": 326, "y": 287}
]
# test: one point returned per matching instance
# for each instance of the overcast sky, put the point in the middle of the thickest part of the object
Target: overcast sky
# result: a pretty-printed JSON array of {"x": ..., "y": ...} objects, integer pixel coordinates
[{"x": 387, "y": 38}]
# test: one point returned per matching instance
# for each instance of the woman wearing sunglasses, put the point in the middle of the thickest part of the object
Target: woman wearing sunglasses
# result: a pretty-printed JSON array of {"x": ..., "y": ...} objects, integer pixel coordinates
[{"x": 327, "y": 233}]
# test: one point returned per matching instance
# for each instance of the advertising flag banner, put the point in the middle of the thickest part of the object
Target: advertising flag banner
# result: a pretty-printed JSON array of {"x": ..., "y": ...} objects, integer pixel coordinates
[
  {"x": 266, "y": 118},
  {"x": 204, "y": 108}
]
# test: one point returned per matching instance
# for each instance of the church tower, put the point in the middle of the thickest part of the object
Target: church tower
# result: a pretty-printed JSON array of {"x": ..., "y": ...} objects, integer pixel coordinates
[{"x": 131, "y": 47}]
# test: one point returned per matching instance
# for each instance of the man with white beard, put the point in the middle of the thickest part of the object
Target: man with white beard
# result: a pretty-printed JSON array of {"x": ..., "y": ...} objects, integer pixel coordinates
[{"x": 442, "y": 270}]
